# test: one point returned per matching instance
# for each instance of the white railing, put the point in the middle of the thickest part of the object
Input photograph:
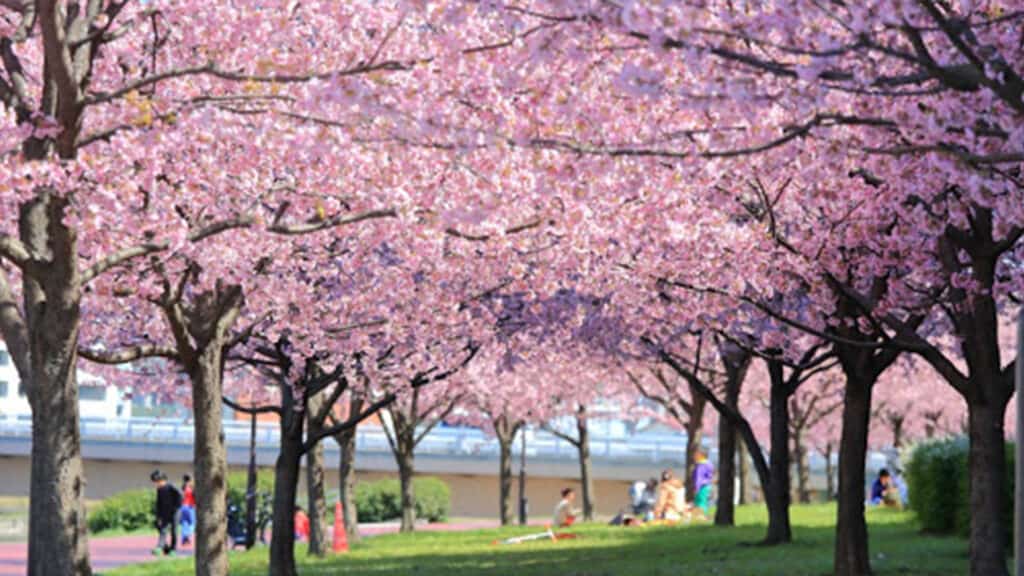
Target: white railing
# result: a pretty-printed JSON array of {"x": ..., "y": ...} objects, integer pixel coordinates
[{"x": 459, "y": 442}]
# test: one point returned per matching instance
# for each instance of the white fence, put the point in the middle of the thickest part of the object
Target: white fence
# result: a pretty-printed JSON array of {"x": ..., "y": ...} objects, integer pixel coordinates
[{"x": 442, "y": 441}]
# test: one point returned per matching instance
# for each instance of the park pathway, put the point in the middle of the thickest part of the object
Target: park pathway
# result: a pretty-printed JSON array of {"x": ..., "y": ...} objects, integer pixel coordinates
[{"x": 109, "y": 553}]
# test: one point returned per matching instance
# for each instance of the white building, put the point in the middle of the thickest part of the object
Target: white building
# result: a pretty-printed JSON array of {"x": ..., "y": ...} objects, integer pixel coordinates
[{"x": 96, "y": 400}]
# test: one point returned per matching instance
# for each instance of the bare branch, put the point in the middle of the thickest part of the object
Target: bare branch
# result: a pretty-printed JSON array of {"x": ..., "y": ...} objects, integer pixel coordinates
[
  {"x": 268, "y": 409},
  {"x": 128, "y": 354}
]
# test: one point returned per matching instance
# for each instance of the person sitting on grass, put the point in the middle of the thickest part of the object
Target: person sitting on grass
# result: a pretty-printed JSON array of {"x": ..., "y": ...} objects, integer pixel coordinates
[
  {"x": 703, "y": 477},
  {"x": 884, "y": 492},
  {"x": 671, "y": 503},
  {"x": 168, "y": 501},
  {"x": 565, "y": 514}
]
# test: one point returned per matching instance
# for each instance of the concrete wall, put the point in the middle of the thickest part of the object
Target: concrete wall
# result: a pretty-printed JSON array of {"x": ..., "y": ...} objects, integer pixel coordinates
[{"x": 473, "y": 496}]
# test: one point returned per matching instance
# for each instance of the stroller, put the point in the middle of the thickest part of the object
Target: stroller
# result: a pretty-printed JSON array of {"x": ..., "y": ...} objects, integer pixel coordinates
[{"x": 236, "y": 527}]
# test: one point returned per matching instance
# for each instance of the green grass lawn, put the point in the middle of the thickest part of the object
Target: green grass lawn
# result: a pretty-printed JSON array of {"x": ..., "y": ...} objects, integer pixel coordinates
[{"x": 896, "y": 548}]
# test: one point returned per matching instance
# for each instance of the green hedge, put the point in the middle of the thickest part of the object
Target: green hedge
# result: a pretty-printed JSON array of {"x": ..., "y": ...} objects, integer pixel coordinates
[
  {"x": 382, "y": 500},
  {"x": 133, "y": 509},
  {"x": 128, "y": 511},
  {"x": 375, "y": 502},
  {"x": 937, "y": 477}
]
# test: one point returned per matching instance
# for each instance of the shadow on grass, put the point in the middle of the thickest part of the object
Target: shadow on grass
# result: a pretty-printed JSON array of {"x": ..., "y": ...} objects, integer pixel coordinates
[{"x": 896, "y": 548}]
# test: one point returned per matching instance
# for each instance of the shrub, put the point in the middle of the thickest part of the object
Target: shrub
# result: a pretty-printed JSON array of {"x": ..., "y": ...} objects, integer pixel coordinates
[
  {"x": 131, "y": 510},
  {"x": 938, "y": 480},
  {"x": 382, "y": 500},
  {"x": 238, "y": 481}
]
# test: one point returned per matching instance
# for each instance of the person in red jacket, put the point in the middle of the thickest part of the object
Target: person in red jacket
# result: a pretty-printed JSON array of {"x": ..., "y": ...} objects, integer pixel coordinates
[
  {"x": 301, "y": 524},
  {"x": 187, "y": 514}
]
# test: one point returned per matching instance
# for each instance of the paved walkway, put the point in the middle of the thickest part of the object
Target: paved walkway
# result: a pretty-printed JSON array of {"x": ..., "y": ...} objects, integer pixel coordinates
[{"x": 108, "y": 553}]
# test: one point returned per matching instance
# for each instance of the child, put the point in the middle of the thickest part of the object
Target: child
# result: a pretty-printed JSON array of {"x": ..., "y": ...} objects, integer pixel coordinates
[
  {"x": 187, "y": 515},
  {"x": 884, "y": 492},
  {"x": 301, "y": 524},
  {"x": 168, "y": 501},
  {"x": 703, "y": 476},
  {"x": 565, "y": 514}
]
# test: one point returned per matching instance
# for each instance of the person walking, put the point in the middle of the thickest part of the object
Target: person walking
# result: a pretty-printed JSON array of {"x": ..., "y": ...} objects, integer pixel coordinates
[
  {"x": 187, "y": 514},
  {"x": 168, "y": 502}
]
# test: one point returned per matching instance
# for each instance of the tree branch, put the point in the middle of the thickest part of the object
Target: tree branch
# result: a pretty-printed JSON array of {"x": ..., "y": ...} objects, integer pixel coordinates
[
  {"x": 352, "y": 422},
  {"x": 128, "y": 354},
  {"x": 268, "y": 409}
]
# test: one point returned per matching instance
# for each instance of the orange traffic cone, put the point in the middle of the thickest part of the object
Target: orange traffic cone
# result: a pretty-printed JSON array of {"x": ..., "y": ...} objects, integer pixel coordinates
[{"x": 340, "y": 536}]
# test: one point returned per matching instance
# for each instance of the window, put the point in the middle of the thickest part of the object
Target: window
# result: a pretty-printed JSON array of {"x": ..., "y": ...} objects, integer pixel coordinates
[
  {"x": 92, "y": 393},
  {"x": 5, "y": 358},
  {"x": 22, "y": 391},
  {"x": 3, "y": 389}
]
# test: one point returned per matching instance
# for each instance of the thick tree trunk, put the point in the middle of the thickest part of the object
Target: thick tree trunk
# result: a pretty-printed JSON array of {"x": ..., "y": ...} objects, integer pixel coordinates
[
  {"x": 694, "y": 436},
  {"x": 987, "y": 489},
  {"x": 505, "y": 511},
  {"x": 210, "y": 464},
  {"x": 315, "y": 483},
  {"x": 803, "y": 468},
  {"x": 586, "y": 477},
  {"x": 777, "y": 492},
  {"x": 406, "y": 467},
  {"x": 736, "y": 362},
  {"x": 725, "y": 512},
  {"x": 851, "y": 550},
  {"x": 347, "y": 481},
  {"x": 58, "y": 544},
  {"x": 286, "y": 482},
  {"x": 57, "y": 522},
  {"x": 317, "y": 501}
]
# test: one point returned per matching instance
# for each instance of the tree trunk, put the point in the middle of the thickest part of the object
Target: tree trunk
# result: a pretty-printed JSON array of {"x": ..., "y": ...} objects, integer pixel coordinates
[
  {"x": 522, "y": 477},
  {"x": 347, "y": 482},
  {"x": 777, "y": 492},
  {"x": 987, "y": 463},
  {"x": 830, "y": 473},
  {"x": 315, "y": 483},
  {"x": 317, "y": 501},
  {"x": 505, "y": 438},
  {"x": 251, "y": 486},
  {"x": 851, "y": 550},
  {"x": 694, "y": 437},
  {"x": 736, "y": 362},
  {"x": 286, "y": 481},
  {"x": 210, "y": 463},
  {"x": 586, "y": 478},
  {"x": 725, "y": 512},
  {"x": 57, "y": 521},
  {"x": 896, "y": 423},
  {"x": 406, "y": 467},
  {"x": 693, "y": 441},
  {"x": 58, "y": 543},
  {"x": 803, "y": 468},
  {"x": 746, "y": 483}
]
